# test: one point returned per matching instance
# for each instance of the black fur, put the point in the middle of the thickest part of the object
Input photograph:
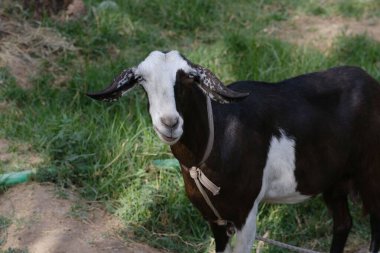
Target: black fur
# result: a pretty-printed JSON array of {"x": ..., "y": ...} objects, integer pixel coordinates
[{"x": 334, "y": 116}]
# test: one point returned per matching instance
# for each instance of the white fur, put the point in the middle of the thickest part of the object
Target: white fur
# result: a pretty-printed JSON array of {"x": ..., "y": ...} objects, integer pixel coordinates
[
  {"x": 279, "y": 168},
  {"x": 278, "y": 185},
  {"x": 158, "y": 72}
]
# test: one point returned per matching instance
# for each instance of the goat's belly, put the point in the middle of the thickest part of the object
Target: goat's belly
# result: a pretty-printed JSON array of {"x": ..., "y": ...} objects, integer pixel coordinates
[
  {"x": 291, "y": 198},
  {"x": 279, "y": 181}
]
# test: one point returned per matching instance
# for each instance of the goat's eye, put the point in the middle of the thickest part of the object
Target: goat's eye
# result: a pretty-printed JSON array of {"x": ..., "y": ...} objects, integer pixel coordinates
[
  {"x": 191, "y": 76},
  {"x": 140, "y": 79}
]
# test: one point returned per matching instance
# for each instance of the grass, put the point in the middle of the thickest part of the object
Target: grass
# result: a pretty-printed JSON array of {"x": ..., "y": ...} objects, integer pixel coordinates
[
  {"x": 107, "y": 149},
  {"x": 13, "y": 250},
  {"x": 79, "y": 211},
  {"x": 4, "y": 224}
]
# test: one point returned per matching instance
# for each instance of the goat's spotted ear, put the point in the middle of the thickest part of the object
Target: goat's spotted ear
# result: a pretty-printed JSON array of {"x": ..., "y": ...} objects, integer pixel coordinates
[
  {"x": 120, "y": 85},
  {"x": 214, "y": 88}
]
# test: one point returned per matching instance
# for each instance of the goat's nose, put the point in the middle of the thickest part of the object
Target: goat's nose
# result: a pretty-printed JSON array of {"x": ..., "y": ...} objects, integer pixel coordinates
[{"x": 170, "y": 121}]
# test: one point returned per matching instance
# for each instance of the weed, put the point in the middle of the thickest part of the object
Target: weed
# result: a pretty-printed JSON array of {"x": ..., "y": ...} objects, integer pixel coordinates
[
  {"x": 61, "y": 193},
  {"x": 358, "y": 50},
  {"x": 14, "y": 250},
  {"x": 79, "y": 211},
  {"x": 4, "y": 224}
]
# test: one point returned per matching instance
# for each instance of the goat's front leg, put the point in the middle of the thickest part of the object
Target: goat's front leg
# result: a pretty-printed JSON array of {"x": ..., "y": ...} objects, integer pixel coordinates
[
  {"x": 221, "y": 238},
  {"x": 246, "y": 236}
]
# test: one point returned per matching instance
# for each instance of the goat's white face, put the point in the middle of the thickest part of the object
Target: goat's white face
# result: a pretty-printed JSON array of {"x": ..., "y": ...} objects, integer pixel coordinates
[{"x": 157, "y": 74}]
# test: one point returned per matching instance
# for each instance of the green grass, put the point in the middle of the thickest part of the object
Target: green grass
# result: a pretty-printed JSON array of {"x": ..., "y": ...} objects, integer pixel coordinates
[
  {"x": 4, "y": 224},
  {"x": 107, "y": 149},
  {"x": 13, "y": 250}
]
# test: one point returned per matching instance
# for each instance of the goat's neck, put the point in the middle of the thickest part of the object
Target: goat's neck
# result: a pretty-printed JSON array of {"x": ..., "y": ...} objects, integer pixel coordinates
[{"x": 189, "y": 150}]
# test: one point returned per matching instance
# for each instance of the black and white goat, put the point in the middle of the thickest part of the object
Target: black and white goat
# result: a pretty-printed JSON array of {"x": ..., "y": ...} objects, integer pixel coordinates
[{"x": 283, "y": 142}]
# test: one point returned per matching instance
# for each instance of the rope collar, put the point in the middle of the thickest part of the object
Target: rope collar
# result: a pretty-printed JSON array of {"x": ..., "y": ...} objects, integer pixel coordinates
[
  {"x": 210, "y": 141},
  {"x": 201, "y": 180}
]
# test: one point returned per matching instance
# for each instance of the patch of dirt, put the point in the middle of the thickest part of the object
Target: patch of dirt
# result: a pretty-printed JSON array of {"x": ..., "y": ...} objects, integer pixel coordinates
[
  {"x": 75, "y": 10},
  {"x": 3, "y": 105},
  {"x": 23, "y": 47},
  {"x": 4, "y": 155},
  {"x": 18, "y": 156},
  {"x": 45, "y": 219},
  {"x": 57, "y": 9},
  {"x": 320, "y": 32}
]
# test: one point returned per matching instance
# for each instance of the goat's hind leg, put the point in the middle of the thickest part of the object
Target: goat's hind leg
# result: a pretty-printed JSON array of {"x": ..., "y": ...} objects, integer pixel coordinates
[
  {"x": 372, "y": 206},
  {"x": 375, "y": 233},
  {"x": 369, "y": 189},
  {"x": 342, "y": 221}
]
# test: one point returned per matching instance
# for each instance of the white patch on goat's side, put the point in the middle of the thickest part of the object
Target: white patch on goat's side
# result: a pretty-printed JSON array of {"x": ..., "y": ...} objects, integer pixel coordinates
[
  {"x": 279, "y": 169},
  {"x": 278, "y": 185},
  {"x": 158, "y": 73}
]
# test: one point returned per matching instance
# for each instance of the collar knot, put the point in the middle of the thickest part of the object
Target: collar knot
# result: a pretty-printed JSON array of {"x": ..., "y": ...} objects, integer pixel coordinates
[
  {"x": 193, "y": 173},
  {"x": 200, "y": 177}
]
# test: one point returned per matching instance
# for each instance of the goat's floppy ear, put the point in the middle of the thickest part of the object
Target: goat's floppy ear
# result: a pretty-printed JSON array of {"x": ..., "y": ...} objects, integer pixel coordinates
[
  {"x": 214, "y": 88},
  {"x": 120, "y": 85}
]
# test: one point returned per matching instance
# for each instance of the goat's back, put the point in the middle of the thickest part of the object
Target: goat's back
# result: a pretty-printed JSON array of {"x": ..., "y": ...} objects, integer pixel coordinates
[{"x": 333, "y": 115}]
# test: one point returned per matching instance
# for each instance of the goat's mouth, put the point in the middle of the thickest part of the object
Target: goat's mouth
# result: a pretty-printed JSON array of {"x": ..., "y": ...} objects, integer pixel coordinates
[
  {"x": 165, "y": 138},
  {"x": 168, "y": 139}
]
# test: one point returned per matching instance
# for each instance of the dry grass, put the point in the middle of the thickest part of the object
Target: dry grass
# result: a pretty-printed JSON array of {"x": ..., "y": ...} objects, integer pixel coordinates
[
  {"x": 320, "y": 32},
  {"x": 23, "y": 47}
]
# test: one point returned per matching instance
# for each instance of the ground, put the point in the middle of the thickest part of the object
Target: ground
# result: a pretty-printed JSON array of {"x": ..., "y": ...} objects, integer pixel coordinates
[
  {"x": 17, "y": 156},
  {"x": 24, "y": 46},
  {"x": 44, "y": 218},
  {"x": 320, "y": 32}
]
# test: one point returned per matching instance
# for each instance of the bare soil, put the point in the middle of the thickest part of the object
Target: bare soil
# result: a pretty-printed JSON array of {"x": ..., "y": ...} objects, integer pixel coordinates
[
  {"x": 24, "y": 47},
  {"x": 45, "y": 219},
  {"x": 17, "y": 156},
  {"x": 320, "y": 32}
]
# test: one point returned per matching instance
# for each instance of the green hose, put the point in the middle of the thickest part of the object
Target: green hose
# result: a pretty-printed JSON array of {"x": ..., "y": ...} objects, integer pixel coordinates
[
  {"x": 166, "y": 163},
  {"x": 13, "y": 178}
]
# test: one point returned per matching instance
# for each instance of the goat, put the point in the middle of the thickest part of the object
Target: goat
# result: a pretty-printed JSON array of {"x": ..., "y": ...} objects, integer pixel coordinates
[{"x": 284, "y": 142}]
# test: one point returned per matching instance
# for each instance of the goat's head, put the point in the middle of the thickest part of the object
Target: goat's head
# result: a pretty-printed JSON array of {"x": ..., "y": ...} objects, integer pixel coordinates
[{"x": 158, "y": 74}]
